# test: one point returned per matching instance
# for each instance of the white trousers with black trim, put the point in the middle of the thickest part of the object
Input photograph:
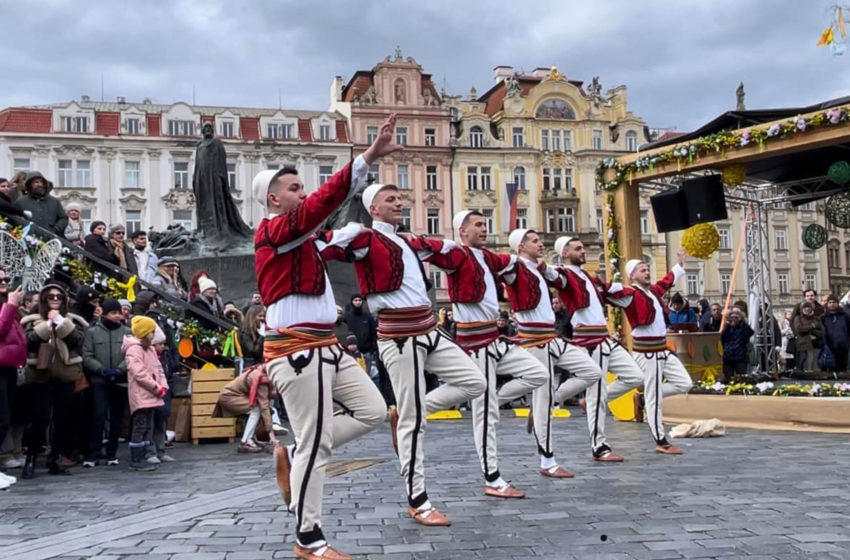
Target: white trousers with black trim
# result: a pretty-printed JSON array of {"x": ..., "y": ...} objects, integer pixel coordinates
[
  {"x": 330, "y": 401},
  {"x": 610, "y": 356},
  {"x": 658, "y": 367},
  {"x": 584, "y": 372},
  {"x": 500, "y": 358},
  {"x": 406, "y": 360}
]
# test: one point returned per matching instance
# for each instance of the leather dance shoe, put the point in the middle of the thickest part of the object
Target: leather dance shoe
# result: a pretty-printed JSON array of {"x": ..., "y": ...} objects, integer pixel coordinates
[
  {"x": 394, "y": 427},
  {"x": 556, "y": 472},
  {"x": 282, "y": 468},
  {"x": 668, "y": 449},
  {"x": 323, "y": 552},
  {"x": 607, "y": 456},
  {"x": 507, "y": 491},
  {"x": 429, "y": 517}
]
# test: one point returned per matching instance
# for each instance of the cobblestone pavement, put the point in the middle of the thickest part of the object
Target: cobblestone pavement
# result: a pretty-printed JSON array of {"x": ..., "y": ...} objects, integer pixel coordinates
[{"x": 751, "y": 494}]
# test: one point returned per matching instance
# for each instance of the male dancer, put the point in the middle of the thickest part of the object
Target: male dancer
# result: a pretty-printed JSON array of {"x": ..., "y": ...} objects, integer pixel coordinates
[
  {"x": 528, "y": 292},
  {"x": 646, "y": 313},
  {"x": 583, "y": 298},
  {"x": 472, "y": 273},
  {"x": 306, "y": 364},
  {"x": 391, "y": 277}
]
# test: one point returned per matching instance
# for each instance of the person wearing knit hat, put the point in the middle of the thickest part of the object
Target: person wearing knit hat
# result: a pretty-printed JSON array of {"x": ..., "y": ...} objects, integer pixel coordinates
[
  {"x": 294, "y": 285},
  {"x": 110, "y": 305},
  {"x": 474, "y": 273},
  {"x": 528, "y": 292},
  {"x": 647, "y": 315},
  {"x": 391, "y": 276},
  {"x": 583, "y": 296},
  {"x": 208, "y": 300},
  {"x": 142, "y": 326},
  {"x": 74, "y": 230}
]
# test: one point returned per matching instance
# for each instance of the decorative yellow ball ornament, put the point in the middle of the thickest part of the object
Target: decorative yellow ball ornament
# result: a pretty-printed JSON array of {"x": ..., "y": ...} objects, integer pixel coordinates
[
  {"x": 734, "y": 175},
  {"x": 701, "y": 241}
]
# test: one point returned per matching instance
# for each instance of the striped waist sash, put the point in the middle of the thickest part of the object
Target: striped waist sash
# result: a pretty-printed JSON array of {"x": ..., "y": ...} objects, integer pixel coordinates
[
  {"x": 590, "y": 336},
  {"x": 476, "y": 334},
  {"x": 649, "y": 344},
  {"x": 408, "y": 321},
  {"x": 297, "y": 338},
  {"x": 535, "y": 334}
]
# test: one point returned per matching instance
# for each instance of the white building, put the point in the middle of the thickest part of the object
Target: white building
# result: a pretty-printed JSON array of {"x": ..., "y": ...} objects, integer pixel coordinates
[{"x": 132, "y": 163}]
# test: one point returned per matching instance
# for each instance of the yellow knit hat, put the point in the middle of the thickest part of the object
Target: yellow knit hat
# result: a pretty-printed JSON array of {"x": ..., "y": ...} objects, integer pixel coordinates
[{"x": 142, "y": 326}]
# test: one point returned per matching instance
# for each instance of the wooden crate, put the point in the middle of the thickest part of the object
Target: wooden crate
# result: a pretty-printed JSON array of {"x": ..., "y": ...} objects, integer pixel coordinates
[{"x": 206, "y": 385}]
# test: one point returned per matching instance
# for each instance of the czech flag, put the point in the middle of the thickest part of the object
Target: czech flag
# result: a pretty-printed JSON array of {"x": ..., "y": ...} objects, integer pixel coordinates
[{"x": 509, "y": 206}]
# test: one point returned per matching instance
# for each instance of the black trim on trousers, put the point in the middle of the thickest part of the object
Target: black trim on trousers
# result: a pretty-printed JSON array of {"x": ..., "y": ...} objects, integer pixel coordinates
[
  {"x": 417, "y": 427},
  {"x": 548, "y": 451}
]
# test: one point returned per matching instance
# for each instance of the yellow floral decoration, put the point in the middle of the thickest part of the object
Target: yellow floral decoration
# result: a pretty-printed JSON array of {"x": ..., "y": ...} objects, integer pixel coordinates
[
  {"x": 734, "y": 175},
  {"x": 701, "y": 241}
]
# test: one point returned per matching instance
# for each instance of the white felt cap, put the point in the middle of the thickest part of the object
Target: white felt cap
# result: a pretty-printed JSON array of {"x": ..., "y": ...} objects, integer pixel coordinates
[
  {"x": 457, "y": 221},
  {"x": 515, "y": 238},
  {"x": 632, "y": 265},
  {"x": 369, "y": 194},
  {"x": 562, "y": 242},
  {"x": 260, "y": 186}
]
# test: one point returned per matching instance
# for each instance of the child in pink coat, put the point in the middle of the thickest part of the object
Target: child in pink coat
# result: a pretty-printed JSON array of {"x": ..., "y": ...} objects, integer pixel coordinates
[{"x": 146, "y": 385}]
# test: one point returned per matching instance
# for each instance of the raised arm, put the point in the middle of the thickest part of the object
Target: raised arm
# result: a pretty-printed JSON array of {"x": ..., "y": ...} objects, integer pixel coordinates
[{"x": 663, "y": 286}]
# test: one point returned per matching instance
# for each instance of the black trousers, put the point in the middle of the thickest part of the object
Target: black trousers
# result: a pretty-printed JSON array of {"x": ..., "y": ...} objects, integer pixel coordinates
[
  {"x": 733, "y": 368},
  {"x": 110, "y": 400},
  {"x": 8, "y": 384},
  {"x": 46, "y": 402},
  {"x": 142, "y": 425}
]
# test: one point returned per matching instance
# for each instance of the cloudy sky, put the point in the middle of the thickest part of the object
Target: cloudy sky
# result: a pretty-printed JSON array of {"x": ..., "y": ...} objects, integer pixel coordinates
[{"x": 681, "y": 59}]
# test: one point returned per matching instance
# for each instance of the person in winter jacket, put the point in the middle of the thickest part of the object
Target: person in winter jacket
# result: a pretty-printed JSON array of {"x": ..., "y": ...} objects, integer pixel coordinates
[
  {"x": 252, "y": 335},
  {"x": 146, "y": 386},
  {"x": 122, "y": 250},
  {"x": 251, "y": 393},
  {"x": 836, "y": 326},
  {"x": 146, "y": 260},
  {"x": 8, "y": 207},
  {"x": 86, "y": 304},
  {"x": 156, "y": 453},
  {"x": 208, "y": 300},
  {"x": 54, "y": 362},
  {"x": 13, "y": 354},
  {"x": 735, "y": 338},
  {"x": 681, "y": 313},
  {"x": 106, "y": 370},
  {"x": 710, "y": 321},
  {"x": 809, "y": 330},
  {"x": 97, "y": 245},
  {"x": 46, "y": 209},
  {"x": 168, "y": 278},
  {"x": 74, "y": 230}
]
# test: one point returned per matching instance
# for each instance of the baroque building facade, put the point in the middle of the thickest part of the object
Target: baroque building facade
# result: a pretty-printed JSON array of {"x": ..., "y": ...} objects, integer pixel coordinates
[{"x": 132, "y": 163}]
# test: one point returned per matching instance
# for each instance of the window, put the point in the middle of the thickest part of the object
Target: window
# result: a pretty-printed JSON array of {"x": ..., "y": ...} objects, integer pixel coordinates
[
  {"x": 488, "y": 219},
  {"x": 632, "y": 142},
  {"x": 782, "y": 283},
  {"x": 725, "y": 281},
  {"x": 324, "y": 132},
  {"x": 279, "y": 131},
  {"x": 560, "y": 220},
  {"x": 131, "y": 174},
  {"x": 134, "y": 126},
  {"x": 231, "y": 176},
  {"x": 556, "y": 179},
  {"x": 75, "y": 124},
  {"x": 568, "y": 141},
  {"x": 182, "y": 218},
  {"x": 430, "y": 136},
  {"x": 20, "y": 164},
  {"x": 431, "y": 177},
  {"x": 133, "y": 221},
  {"x": 181, "y": 175},
  {"x": 832, "y": 257},
  {"x": 599, "y": 220},
  {"x": 433, "y": 222},
  {"x": 181, "y": 128},
  {"x": 547, "y": 179},
  {"x": 811, "y": 281},
  {"x": 519, "y": 177},
  {"x": 476, "y": 137},
  {"x": 325, "y": 173},
  {"x": 66, "y": 173},
  {"x": 436, "y": 278},
  {"x": 227, "y": 129},
  {"x": 85, "y": 217},
  {"x": 403, "y": 178},
  {"x": 401, "y": 136},
  {"x": 522, "y": 218},
  {"x": 518, "y": 137},
  {"x": 807, "y": 207},
  {"x": 725, "y": 242},
  {"x": 644, "y": 226},
  {"x": 693, "y": 285},
  {"x": 485, "y": 179},
  {"x": 472, "y": 178},
  {"x": 405, "y": 218},
  {"x": 781, "y": 237},
  {"x": 568, "y": 178},
  {"x": 374, "y": 175},
  {"x": 83, "y": 173},
  {"x": 556, "y": 140},
  {"x": 597, "y": 139},
  {"x": 371, "y": 134},
  {"x": 544, "y": 140}
]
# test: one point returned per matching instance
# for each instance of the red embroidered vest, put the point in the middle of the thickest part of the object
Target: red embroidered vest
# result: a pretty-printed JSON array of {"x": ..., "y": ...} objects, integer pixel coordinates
[{"x": 524, "y": 293}]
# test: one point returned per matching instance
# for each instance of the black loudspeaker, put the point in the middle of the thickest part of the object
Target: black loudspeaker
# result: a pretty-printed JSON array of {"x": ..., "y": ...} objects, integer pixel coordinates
[
  {"x": 670, "y": 210},
  {"x": 705, "y": 199}
]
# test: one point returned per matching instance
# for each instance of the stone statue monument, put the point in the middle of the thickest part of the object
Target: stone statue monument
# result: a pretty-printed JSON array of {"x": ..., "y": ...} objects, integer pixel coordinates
[
  {"x": 220, "y": 225},
  {"x": 739, "y": 94}
]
